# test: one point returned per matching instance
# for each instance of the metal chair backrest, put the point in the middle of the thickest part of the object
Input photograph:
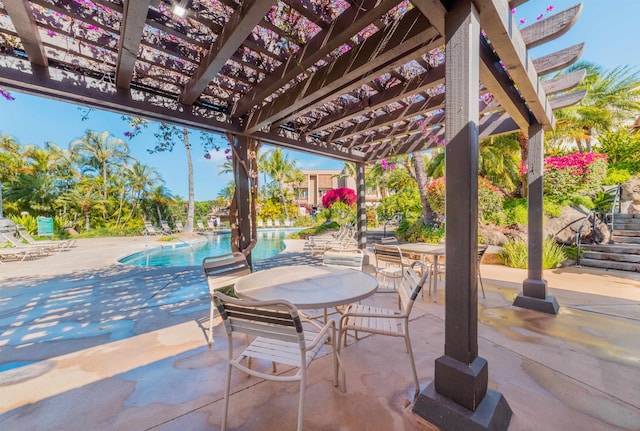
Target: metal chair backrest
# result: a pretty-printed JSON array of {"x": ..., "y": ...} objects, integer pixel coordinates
[
  {"x": 388, "y": 254},
  {"x": 351, "y": 258},
  {"x": 277, "y": 320},
  {"x": 389, "y": 240},
  {"x": 411, "y": 285},
  {"x": 225, "y": 268}
]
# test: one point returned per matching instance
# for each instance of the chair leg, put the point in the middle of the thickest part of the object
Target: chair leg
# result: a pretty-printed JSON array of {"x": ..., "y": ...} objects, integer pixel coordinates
[
  {"x": 227, "y": 390},
  {"x": 211, "y": 311},
  {"x": 413, "y": 363},
  {"x": 303, "y": 383}
]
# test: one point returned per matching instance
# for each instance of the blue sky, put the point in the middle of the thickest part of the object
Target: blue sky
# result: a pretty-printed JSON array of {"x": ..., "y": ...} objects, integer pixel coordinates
[{"x": 609, "y": 29}]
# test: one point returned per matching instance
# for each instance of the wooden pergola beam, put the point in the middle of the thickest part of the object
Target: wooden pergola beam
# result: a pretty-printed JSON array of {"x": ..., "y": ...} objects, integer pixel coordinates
[
  {"x": 27, "y": 29},
  {"x": 133, "y": 19},
  {"x": 506, "y": 40},
  {"x": 382, "y": 52},
  {"x": 317, "y": 48},
  {"x": 240, "y": 25},
  {"x": 558, "y": 60},
  {"x": 551, "y": 27}
]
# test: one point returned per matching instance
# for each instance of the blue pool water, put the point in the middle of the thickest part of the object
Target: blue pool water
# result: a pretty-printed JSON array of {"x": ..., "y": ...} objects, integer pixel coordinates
[{"x": 270, "y": 243}]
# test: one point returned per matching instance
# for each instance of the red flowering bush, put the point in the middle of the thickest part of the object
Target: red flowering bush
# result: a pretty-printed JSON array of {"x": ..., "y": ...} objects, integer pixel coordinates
[
  {"x": 565, "y": 175},
  {"x": 341, "y": 194}
]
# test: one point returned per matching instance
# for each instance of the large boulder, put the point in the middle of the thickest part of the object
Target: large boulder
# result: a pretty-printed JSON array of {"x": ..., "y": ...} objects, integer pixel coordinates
[
  {"x": 499, "y": 235},
  {"x": 630, "y": 196},
  {"x": 565, "y": 227}
]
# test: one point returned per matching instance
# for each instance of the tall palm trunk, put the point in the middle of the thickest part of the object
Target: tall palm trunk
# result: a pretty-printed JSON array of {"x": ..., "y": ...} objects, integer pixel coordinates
[
  {"x": 191, "y": 208},
  {"x": 523, "y": 141},
  {"x": 423, "y": 180}
]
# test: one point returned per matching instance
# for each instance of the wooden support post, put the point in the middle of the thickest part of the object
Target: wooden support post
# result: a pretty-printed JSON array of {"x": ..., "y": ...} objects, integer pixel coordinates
[
  {"x": 241, "y": 177},
  {"x": 458, "y": 397},
  {"x": 534, "y": 289},
  {"x": 361, "y": 190}
]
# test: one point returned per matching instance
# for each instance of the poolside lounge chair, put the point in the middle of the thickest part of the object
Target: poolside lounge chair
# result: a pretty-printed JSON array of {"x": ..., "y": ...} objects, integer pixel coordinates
[
  {"x": 260, "y": 223},
  {"x": 276, "y": 223},
  {"x": 149, "y": 229},
  {"x": 223, "y": 271},
  {"x": 166, "y": 229},
  {"x": 200, "y": 226},
  {"x": 383, "y": 321},
  {"x": 179, "y": 226},
  {"x": 269, "y": 222},
  {"x": 13, "y": 254},
  {"x": 62, "y": 244},
  {"x": 8, "y": 234},
  {"x": 280, "y": 338},
  {"x": 210, "y": 224}
]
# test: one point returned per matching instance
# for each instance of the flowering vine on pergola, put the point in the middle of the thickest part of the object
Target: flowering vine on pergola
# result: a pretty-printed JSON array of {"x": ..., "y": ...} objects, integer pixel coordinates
[{"x": 357, "y": 80}]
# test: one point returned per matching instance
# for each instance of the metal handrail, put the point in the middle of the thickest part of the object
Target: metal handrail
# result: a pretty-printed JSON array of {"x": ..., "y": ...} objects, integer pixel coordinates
[
  {"x": 579, "y": 232},
  {"x": 396, "y": 219},
  {"x": 616, "y": 201}
]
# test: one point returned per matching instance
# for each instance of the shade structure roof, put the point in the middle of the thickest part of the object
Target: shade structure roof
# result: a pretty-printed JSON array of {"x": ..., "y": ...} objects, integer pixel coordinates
[{"x": 355, "y": 80}]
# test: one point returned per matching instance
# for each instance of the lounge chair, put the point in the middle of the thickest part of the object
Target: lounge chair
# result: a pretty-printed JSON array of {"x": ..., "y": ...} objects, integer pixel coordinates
[
  {"x": 166, "y": 229},
  {"x": 149, "y": 229},
  {"x": 276, "y": 223},
  {"x": 179, "y": 226},
  {"x": 210, "y": 224},
  {"x": 62, "y": 244},
  {"x": 260, "y": 223},
  {"x": 269, "y": 223},
  {"x": 280, "y": 338},
  {"x": 13, "y": 254},
  {"x": 8, "y": 234},
  {"x": 200, "y": 226}
]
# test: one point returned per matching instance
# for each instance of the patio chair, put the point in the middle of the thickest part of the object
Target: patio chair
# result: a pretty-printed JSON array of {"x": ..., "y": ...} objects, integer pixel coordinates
[
  {"x": 351, "y": 257},
  {"x": 63, "y": 245},
  {"x": 390, "y": 264},
  {"x": 223, "y": 271},
  {"x": 200, "y": 226},
  {"x": 210, "y": 224},
  {"x": 383, "y": 321},
  {"x": 389, "y": 240},
  {"x": 276, "y": 223},
  {"x": 482, "y": 249},
  {"x": 269, "y": 223},
  {"x": 260, "y": 223},
  {"x": 281, "y": 339}
]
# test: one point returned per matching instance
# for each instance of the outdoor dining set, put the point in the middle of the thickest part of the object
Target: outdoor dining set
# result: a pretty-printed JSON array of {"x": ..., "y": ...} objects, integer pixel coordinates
[{"x": 288, "y": 314}]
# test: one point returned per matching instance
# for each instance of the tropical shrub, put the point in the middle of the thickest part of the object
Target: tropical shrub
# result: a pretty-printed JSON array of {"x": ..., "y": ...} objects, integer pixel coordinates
[
  {"x": 622, "y": 149},
  {"x": 406, "y": 201},
  {"x": 416, "y": 231},
  {"x": 489, "y": 199},
  {"x": 617, "y": 176},
  {"x": 341, "y": 194},
  {"x": 515, "y": 254},
  {"x": 565, "y": 175}
]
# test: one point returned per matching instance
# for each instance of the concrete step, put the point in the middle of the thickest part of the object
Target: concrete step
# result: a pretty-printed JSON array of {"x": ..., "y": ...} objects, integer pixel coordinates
[
  {"x": 622, "y": 239},
  {"x": 626, "y": 225},
  {"x": 626, "y": 216},
  {"x": 612, "y": 248},
  {"x": 616, "y": 257},
  {"x": 609, "y": 264},
  {"x": 626, "y": 232}
]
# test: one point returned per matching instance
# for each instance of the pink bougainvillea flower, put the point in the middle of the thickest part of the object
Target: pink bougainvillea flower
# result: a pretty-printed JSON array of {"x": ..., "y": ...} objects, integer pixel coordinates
[
  {"x": 6, "y": 95},
  {"x": 550, "y": 8},
  {"x": 51, "y": 33},
  {"x": 384, "y": 164},
  {"x": 539, "y": 17},
  {"x": 522, "y": 20},
  {"x": 513, "y": 11}
]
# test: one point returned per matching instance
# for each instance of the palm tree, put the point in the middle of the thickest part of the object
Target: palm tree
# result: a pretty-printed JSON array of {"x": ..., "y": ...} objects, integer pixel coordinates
[
  {"x": 167, "y": 136},
  {"x": 161, "y": 197},
  {"x": 422, "y": 179},
  {"x": 85, "y": 198},
  {"x": 102, "y": 152},
  {"x": 498, "y": 161},
  {"x": 612, "y": 98},
  {"x": 281, "y": 170}
]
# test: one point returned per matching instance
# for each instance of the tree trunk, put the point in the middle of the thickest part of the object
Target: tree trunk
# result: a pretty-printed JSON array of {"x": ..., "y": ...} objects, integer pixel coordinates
[
  {"x": 523, "y": 140},
  {"x": 422, "y": 179},
  {"x": 191, "y": 208}
]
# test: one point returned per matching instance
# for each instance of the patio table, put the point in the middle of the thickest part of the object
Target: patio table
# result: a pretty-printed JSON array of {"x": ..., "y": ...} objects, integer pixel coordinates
[
  {"x": 424, "y": 249},
  {"x": 308, "y": 286}
]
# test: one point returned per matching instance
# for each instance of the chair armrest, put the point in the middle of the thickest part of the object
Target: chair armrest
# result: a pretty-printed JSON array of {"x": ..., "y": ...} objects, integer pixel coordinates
[{"x": 320, "y": 335}]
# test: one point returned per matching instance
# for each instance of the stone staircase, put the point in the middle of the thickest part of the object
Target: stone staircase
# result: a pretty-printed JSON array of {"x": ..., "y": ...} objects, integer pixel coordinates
[{"x": 624, "y": 253}]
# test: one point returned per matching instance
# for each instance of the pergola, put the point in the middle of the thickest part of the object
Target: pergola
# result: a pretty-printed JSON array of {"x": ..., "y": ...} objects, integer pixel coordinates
[{"x": 355, "y": 80}]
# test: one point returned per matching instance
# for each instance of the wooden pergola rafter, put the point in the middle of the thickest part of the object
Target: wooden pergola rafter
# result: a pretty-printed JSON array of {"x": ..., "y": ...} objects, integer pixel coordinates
[{"x": 355, "y": 80}]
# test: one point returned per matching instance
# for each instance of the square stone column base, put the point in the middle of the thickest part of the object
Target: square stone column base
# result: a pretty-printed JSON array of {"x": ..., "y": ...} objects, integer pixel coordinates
[
  {"x": 493, "y": 412},
  {"x": 547, "y": 305}
]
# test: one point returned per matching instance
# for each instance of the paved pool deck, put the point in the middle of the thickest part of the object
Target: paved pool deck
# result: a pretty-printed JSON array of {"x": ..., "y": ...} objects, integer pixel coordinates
[{"x": 90, "y": 344}]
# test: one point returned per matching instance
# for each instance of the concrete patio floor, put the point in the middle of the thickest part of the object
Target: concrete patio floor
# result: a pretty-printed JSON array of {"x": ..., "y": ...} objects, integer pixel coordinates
[{"x": 89, "y": 344}]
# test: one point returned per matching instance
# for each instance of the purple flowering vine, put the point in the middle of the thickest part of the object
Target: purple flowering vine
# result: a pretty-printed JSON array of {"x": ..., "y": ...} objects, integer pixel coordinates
[{"x": 6, "y": 95}]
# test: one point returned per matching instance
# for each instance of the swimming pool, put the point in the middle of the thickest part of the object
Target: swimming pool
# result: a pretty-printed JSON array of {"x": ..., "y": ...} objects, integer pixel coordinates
[{"x": 270, "y": 243}]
